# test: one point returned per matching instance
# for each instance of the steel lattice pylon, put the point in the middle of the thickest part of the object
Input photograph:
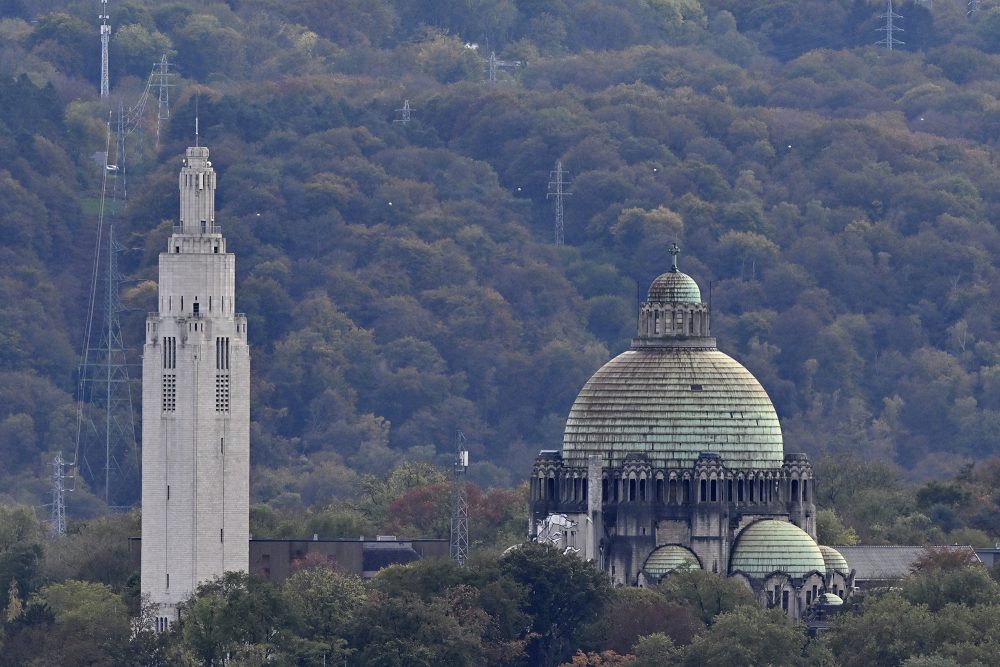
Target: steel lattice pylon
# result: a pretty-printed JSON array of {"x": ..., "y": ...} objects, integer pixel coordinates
[
  {"x": 107, "y": 448},
  {"x": 460, "y": 506}
]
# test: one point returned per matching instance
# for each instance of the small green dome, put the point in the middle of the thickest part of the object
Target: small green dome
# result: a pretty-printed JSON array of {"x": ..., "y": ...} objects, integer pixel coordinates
[
  {"x": 667, "y": 559},
  {"x": 674, "y": 287},
  {"x": 770, "y": 546},
  {"x": 830, "y": 600},
  {"x": 835, "y": 562}
]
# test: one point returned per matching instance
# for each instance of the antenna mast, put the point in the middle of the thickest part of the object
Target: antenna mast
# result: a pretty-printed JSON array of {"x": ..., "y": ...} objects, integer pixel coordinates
[
  {"x": 556, "y": 190},
  {"x": 889, "y": 41},
  {"x": 105, "y": 38},
  {"x": 460, "y": 507}
]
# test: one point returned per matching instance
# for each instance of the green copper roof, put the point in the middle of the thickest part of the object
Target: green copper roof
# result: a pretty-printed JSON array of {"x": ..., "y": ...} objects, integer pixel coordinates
[
  {"x": 830, "y": 599},
  {"x": 772, "y": 546},
  {"x": 835, "y": 562},
  {"x": 666, "y": 559},
  {"x": 671, "y": 404},
  {"x": 674, "y": 287}
]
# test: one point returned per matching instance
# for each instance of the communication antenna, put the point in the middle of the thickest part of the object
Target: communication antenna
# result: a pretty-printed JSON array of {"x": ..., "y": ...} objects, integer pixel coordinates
[
  {"x": 104, "y": 18},
  {"x": 404, "y": 113},
  {"x": 889, "y": 41},
  {"x": 557, "y": 190},
  {"x": 460, "y": 507}
]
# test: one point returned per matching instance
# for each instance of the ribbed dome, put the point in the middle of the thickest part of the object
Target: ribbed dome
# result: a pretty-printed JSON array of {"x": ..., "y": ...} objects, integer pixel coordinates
[
  {"x": 831, "y": 600},
  {"x": 674, "y": 287},
  {"x": 835, "y": 561},
  {"x": 672, "y": 404},
  {"x": 667, "y": 559},
  {"x": 770, "y": 546}
]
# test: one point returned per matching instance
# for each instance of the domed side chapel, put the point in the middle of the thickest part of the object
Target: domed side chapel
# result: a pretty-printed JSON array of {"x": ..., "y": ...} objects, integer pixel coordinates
[{"x": 672, "y": 458}]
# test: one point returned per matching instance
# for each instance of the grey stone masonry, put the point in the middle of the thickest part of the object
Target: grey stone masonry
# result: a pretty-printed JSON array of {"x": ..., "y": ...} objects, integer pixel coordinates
[{"x": 196, "y": 408}]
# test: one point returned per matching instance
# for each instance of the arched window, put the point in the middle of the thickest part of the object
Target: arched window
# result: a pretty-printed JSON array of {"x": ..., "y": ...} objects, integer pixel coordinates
[
  {"x": 642, "y": 489},
  {"x": 604, "y": 490},
  {"x": 715, "y": 490},
  {"x": 805, "y": 490},
  {"x": 631, "y": 490},
  {"x": 739, "y": 491},
  {"x": 703, "y": 496},
  {"x": 750, "y": 483},
  {"x": 687, "y": 491},
  {"x": 795, "y": 490},
  {"x": 659, "y": 489},
  {"x": 672, "y": 491},
  {"x": 551, "y": 491}
]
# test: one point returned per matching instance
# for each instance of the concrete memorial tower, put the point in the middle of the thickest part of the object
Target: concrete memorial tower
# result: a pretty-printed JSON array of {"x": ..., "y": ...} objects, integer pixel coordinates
[{"x": 195, "y": 408}]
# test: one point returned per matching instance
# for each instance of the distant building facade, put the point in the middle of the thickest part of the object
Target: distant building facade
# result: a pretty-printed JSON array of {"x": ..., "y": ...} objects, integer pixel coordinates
[
  {"x": 275, "y": 559},
  {"x": 195, "y": 407},
  {"x": 673, "y": 458}
]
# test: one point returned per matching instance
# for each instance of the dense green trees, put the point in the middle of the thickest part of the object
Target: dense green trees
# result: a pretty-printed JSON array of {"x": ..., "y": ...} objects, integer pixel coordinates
[{"x": 835, "y": 202}]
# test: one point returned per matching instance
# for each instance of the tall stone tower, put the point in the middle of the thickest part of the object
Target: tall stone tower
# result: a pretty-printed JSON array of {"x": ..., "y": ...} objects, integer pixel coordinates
[{"x": 195, "y": 408}]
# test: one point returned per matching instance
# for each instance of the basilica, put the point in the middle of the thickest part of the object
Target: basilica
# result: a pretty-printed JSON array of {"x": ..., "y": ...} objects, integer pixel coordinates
[{"x": 672, "y": 458}]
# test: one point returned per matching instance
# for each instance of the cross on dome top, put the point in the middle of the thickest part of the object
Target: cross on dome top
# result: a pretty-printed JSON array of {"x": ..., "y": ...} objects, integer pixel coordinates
[{"x": 674, "y": 250}]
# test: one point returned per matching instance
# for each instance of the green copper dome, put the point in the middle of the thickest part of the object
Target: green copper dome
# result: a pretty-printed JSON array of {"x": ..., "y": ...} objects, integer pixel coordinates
[
  {"x": 674, "y": 287},
  {"x": 770, "y": 546},
  {"x": 831, "y": 600},
  {"x": 835, "y": 562},
  {"x": 672, "y": 404},
  {"x": 667, "y": 559}
]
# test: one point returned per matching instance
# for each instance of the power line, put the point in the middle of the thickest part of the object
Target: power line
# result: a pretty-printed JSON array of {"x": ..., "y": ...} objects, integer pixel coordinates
[
  {"x": 105, "y": 450},
  {"x": 557, "y": 191},
  {"x": 889, "y": 41}
]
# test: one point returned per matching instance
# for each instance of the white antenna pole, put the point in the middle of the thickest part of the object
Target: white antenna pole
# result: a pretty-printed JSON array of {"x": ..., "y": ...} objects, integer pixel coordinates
[{"x": 105, "y": 38}]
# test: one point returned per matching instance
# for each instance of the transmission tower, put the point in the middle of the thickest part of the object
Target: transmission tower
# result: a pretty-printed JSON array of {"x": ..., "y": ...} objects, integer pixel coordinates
[
  {"x": 58, "y": 525},
  {"x": 493, "y": 66},
  {"x": 163, "y": 83},
  {"x": 105, "y": 38},
  {"x": 105, "y": 451},
  {"x": 404, "y": 113},
  {"x": 889, "y": 41},
  {"x": 460, "y": 506},
  {"x": 557, "y": 190}
]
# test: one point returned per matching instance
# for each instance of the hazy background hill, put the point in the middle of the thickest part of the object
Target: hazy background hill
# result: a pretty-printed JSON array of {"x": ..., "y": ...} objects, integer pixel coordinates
[{"x": 837, "y": 200}]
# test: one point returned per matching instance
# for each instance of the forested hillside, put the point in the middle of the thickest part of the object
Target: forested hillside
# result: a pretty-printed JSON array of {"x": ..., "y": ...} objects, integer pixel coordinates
[{"x": 838, "y": 201}]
